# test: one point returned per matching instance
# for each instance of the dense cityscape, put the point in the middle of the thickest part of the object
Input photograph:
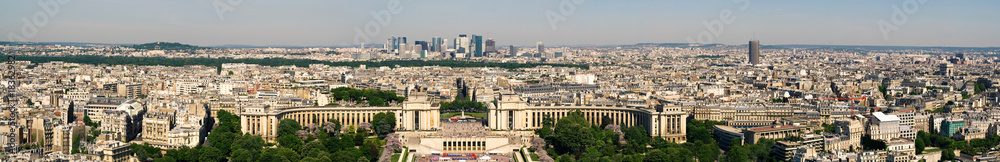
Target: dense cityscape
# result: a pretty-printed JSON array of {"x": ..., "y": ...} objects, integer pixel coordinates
[
  {"x": 500, "y": 81},
  {"x": 643, "y": 102}
]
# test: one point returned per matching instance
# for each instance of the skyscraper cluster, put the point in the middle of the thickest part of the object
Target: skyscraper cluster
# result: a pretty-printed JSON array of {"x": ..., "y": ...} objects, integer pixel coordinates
[{"x": 463, "y": 46}]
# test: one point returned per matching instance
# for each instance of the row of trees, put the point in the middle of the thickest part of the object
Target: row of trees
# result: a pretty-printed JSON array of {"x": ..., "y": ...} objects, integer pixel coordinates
[
  {"x": 760, "y": 151},
  {"x": 948, "y": 145},
  {"x": 329, "y": 141},
  {"x": 463, "y": 105},
  {"x": 370, "y": 96},
  {"x": 217, "y": 62},
  {"x": 168, "y": 46},
  {"x": 573, "y": 138}
]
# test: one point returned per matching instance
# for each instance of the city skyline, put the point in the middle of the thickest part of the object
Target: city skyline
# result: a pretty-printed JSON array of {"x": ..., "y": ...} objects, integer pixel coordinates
[
  {"x": 521, "y": 80},
  {"x": 521, "y": 23}
]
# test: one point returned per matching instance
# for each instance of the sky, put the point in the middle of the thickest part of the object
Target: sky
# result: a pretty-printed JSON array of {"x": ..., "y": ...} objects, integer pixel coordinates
[{"x": 967, "y": 23}]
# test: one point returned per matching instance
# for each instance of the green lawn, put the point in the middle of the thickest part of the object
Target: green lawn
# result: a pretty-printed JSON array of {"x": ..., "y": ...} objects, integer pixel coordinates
[
  {"x": 395, "y": 157},
  {"x": 931, "y": 150},
  {"x": 534, "y": 157},
  {"x": 478, "y": 115}
]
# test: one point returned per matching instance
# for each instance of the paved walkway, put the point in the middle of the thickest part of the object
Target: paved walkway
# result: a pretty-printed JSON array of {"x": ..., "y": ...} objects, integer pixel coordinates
[
  {"x": 527, "y": 154},
  {"x": 409, "y": 158}
]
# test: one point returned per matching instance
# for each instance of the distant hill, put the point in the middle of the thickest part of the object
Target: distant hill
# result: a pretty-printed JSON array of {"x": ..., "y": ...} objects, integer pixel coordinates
[
  {"x": 78, "y": 44},
  {"x": 877, "y": 48},
  {"x": 284, "y": 46},
  {"x": 166, "y": 46},
  {"x": 677, "y": 44}
]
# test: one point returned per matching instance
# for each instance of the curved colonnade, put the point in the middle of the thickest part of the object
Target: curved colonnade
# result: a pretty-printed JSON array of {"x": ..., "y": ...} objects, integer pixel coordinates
[{"x": 667, "y": 122}]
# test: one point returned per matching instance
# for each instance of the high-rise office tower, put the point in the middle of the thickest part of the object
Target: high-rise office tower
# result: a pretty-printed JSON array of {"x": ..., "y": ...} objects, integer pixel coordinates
[
  {"x": 394, "y": 44},
  {"x": 491, "y": 45},
  {"x": 754, "y": 52},
  {"x": 541, "y": 47},
  {"x": 512, "y": 51},
  {"x": 387, "y": 45},
  {"x": 403, "y": 48},
  {"x": 462, "y": 44},
  {"x": 423, "y": 48},
  {"x": 436, "y": 44},
  {"x": 477, "y": 41},
  {"x": 423, "y": 45},
  {"x": 403, "y": 40}
]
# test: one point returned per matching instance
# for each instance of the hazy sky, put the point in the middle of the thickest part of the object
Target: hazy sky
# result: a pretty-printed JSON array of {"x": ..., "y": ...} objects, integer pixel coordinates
[{"x": 518, "y": 22}]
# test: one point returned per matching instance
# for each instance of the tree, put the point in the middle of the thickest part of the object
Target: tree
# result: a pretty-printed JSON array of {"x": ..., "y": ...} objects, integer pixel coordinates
[
  {"x": 948, "y": 154},
  {"x": 88, "y": 121},
  {"x": 346, "y": 141},
  {"x": 919, "y": 145},
  {"x": 332, "y": 144},
  {"x": 637, "y": 138},
  {"x": 678, "y": 154},
  {"x": 288, "y": 127},
  {"x": 76, "y": 144},
  {"x": 319, "y": 155},
  {"x": 209, "y": 153},
  {"x": 605, "y": 159},
  {"x": 548, "y": 120},
  {"x": 192, "y": 154},
  {"x": 290, "y": 141},
  {"x": 737, "y": 153},
  {"x": 573, "y": 133},
  {"x": 242, "y": 155},
  {"x": 223, "y": 140},
  {"x": 605, "y": 121},
  {"x": 372, "y": 147},
  {"x": 828, "y": 128},
  {"x": 656, "y": 156},
  {"x": 145, "y": 151},
  {"x": 333, "y": 126},
  {"x": 870, "y": 144},
  {"x": 565, "y": 158},
  {"x": 384, "y": 123},
  {"x": 312, "y": 145},
  {"x": 279, "y": 154},
  {"x": 547, "y": 125},
  {"x": 178, "y": 154},
  {"x": 228, "y": 119},
  {"x": 344, "y": 155},
  {"x": 538, "y": 144},
  {"x": 165, "y": 159},
  {"x": 251, "y": 143}
]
